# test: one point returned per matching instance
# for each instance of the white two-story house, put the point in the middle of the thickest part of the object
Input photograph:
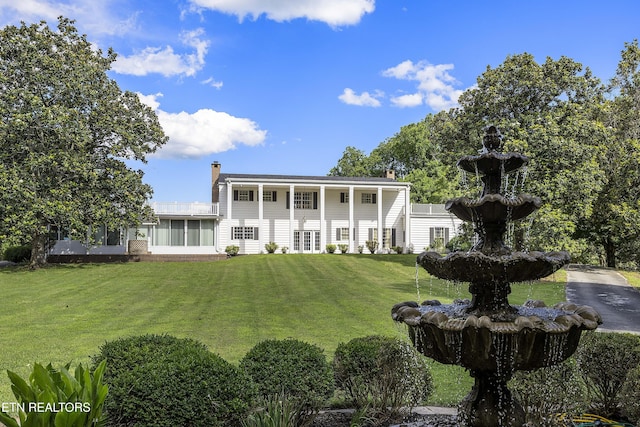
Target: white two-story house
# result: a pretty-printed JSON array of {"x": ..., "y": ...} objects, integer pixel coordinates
[
  {"x": 301, "y": 213},
  {"x": 305, "y": 213}
]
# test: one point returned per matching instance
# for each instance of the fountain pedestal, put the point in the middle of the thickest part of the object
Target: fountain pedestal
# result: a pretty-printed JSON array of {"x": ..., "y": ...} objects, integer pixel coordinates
[
  {"x": 490, "y": 400},
  {"x": 487, "y": 335}
]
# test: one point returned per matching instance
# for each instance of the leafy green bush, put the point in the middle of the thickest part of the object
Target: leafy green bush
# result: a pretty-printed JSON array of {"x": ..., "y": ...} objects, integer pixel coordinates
[
  {"x": 344, "y": 248},
  {"x": 372, "y": 245},
  {"x": 385, "y": 374},
  {"x": 549, "y": 391},
  {"x": 295, "y": 369},
  {"x": 604, "y": 360},
  {"x": 630, "y": 396},
  {"x": 17, "y": 253},
  {"x": 54, "y": 398},
  {"x": 331, "y": 248},
  {"x": 274, "y": 411},
  {"x": 160, "y": 380},
  {"x": 271, "y": 247},
  {"x": 232, "y": 250}
]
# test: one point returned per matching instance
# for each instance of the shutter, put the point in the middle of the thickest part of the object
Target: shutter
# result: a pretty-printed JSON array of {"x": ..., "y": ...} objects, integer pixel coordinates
[
  {"x": 432, "y": 234},
  {"x": 288, "y": 195},
  {"x": 315, "y": 200},
  {"x": 251, "y": 195},
  {"x": 446, "y": 236},
  {"x": 393, "y": 237},
  {"x": 235, "y": 195},
  {"x": 342, "y": 198},
  {"x": 273, "y": 196},
  {"x": 374, "y": 198},
  {"x": 255, "y": 233},
  {"x": 354, "y": 234},
  {"x": 232, "y": 234},
  {"x": 338, "y": 234}
]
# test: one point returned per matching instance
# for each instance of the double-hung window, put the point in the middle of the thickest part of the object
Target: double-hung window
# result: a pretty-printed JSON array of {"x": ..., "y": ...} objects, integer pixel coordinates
[
  {"x": 368, "y": 198},
  {"x": 244, "y": 233},
  {"x": 342, "y": 234}
]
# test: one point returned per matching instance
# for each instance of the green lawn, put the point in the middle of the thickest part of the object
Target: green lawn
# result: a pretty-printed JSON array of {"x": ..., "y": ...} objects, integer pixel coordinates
[
  {"x": 64, "y": 313},
  {"x": 633, "y": 277}
]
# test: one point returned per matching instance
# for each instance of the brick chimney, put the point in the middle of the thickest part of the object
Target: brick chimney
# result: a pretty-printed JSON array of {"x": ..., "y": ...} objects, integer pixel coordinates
[
  {"x": 215, "y": 177},
  {"x": 389, "y": 173}
]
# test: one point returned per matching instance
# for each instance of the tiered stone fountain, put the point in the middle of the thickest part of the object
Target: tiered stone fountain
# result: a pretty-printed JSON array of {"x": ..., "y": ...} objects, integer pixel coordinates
[{"x": 487, "y": 335}]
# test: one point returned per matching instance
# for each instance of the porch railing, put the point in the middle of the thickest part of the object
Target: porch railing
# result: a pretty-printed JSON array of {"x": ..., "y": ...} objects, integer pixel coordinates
[
  {"x": 428, "y": 209},
  {"x": 185, "y": 208}
]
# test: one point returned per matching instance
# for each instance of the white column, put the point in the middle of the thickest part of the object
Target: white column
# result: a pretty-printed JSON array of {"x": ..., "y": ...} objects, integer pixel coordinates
[
  {"x": 261, "y": 228},
  {"x": 352, "y": 223},
  {"x": 380, "y": 222},
  {"x": 323, "y": 226},
  {"x": 291, "y": 215},
  {"x": 227, "y": 232},
  {"x": 407, "y": 218}
]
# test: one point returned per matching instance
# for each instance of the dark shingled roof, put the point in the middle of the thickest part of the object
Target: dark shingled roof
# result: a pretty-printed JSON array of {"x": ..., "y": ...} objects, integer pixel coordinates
[{"x": 224, "y": 176}]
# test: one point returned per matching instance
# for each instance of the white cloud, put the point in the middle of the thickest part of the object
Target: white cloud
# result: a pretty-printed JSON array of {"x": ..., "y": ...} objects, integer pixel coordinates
[
  {"x": 411, "y": 100},
  {"x": 95, "y": 17},
  {"x": 365, "y": 99},
  {"x": 204, "y": 132},
  {"x": 212, "y": 82},
  {"x": 335, "y": 13},
  {"x": 164, "y": 60},
  {"x": 436, "y": 87}
]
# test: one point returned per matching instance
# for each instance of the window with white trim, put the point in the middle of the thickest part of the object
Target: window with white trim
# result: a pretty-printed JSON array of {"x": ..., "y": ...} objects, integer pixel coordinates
[
  {"x": 388, "y": 237},
  {"x": 244, "y": 233},
  {"x": 368, "y": 198},
  {"x": 304, "y": 200},
  {"x": 243, "y": 195},
  {"x": 438, "y": 237},
  {"x": 342, "y": 233},
  {"x": 269, "y": 196}
]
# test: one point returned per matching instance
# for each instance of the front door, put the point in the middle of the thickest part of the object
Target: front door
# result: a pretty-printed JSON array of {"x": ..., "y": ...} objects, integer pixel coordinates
[{"x": 306, "y": 241}]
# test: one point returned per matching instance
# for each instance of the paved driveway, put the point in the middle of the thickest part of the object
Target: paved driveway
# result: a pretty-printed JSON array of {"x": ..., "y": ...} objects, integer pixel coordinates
[{"x": 609, "y": 293}]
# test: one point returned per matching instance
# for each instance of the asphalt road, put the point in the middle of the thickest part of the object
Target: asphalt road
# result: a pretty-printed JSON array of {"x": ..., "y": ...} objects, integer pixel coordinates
[{"x": 609, "y": 293}]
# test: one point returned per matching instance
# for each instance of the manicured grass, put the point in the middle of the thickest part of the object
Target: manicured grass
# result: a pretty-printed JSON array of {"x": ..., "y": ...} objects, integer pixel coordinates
[{"x": 64, "y": 313}]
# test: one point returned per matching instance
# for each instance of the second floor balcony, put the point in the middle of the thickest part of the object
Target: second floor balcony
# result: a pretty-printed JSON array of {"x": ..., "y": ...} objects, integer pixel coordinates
[{"x": 185, "y": 209}]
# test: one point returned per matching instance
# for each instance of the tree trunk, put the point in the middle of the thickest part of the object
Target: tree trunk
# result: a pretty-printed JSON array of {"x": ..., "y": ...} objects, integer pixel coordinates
[
  {"x": 610, "y": 251},
  {"x": 38, "y": 250}
]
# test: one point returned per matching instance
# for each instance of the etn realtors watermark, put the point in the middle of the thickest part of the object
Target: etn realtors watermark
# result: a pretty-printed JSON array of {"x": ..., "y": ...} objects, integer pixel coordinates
[{"x": 46, "y": 407}]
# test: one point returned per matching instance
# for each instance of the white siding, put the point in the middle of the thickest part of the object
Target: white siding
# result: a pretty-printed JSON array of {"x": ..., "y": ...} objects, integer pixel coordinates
[{"x": 421, "y": 225}]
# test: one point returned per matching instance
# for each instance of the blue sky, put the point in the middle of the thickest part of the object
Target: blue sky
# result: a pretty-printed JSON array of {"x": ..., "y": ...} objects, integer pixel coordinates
[{"x": 283, "y": 86}]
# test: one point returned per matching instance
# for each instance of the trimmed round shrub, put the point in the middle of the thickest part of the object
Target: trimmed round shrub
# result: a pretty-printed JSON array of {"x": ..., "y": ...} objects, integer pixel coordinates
[
  {"x": 160, "y": 380},
  {"x": 546, "y": 392},
  {"x": 296, "y": 370},
  {"x": 17, "y": 254},
  {"x": 383, "y": 374},
  {"x": 604, "y": 360},
  {"x": 630, "y": 396}
]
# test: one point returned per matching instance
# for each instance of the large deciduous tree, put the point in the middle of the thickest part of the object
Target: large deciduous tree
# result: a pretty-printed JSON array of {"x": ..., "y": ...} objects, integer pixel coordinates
[
  {"x": 66, "y": 133},
  {"x": 615, "y": 222},
  {"x": 552, "y": 113}
]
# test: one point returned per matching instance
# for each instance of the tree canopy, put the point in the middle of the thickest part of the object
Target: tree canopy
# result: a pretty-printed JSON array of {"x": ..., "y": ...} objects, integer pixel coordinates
[
  {"x": 581, "y": 135},
  {"x": 66, "y": 133}
]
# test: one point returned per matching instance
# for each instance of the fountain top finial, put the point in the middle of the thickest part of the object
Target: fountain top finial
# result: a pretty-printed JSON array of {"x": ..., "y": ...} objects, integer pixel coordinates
[{"x": 492, "y": 139}]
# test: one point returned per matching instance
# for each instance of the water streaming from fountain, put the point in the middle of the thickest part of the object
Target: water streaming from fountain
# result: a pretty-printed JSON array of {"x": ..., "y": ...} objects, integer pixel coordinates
[{"x": 487, "y": 335}]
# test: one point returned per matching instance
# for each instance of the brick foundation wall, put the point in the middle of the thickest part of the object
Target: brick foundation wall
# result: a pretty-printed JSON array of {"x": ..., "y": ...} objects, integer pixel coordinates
[{"x": 80, "y": 259}]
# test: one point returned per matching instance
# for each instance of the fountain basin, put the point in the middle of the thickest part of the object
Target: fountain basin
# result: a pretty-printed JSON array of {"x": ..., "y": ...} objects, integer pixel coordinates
[
  {"x": 478, "y": 267},
  {"x": 493, "y": 163},
  {"x": 539, "y": 336},
  {"x": 493, "y": 208}
]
